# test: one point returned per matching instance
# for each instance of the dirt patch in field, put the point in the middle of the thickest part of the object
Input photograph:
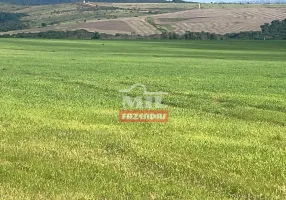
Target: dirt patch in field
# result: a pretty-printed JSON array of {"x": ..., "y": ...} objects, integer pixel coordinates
[
  {"x": 221, "y": 20},
  {"x": 140, "y": 26},
  {"x": 110, "y": 26}
]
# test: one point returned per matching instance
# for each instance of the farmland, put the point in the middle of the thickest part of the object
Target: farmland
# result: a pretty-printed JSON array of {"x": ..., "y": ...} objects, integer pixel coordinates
[
  {"x": 61, "y": 137},
  {"x": 220, "y": 20},
  {"x": 133, "y": 18}
]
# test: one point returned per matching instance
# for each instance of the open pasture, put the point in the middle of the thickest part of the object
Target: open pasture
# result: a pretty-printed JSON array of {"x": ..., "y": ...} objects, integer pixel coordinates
[{"x": 61, "y": 137}]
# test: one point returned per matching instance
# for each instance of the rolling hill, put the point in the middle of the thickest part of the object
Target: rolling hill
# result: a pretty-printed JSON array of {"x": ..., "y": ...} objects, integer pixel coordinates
[
  {"x": 37, "y": 2},
  {"x": 47, "y": 2},
  {"x": 147, "y": 18}
]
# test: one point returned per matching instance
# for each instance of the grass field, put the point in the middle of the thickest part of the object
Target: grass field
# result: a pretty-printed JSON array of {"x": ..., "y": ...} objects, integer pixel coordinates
[{"x": 61, "y": 137}]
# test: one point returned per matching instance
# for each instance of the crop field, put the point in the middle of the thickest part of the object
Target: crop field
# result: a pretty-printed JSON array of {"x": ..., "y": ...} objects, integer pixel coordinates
[
  {"x": 133, "y": 18},
  {"x": 233, "y": 20},
  {"x": 213, "y": 20},
  {"x": 61, "y": 137},
  {"x": 77, "y": 13}
]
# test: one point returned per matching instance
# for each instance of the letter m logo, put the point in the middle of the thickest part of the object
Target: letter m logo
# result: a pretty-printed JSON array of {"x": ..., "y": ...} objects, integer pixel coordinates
[{"x": 129, "y": 102}]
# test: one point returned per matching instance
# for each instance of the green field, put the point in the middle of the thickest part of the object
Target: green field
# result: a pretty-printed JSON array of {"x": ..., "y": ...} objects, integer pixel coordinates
[{"x": 61, "y": 137}]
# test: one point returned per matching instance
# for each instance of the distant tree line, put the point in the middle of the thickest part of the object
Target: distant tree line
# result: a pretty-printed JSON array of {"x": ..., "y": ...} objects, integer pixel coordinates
[
  {"x": 4, "y": 16},
  {"x": 276, "y": 30},
  {"x": 11, "y": 21}
]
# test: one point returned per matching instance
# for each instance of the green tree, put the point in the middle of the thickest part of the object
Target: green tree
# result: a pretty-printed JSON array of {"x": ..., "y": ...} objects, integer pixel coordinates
[
  {"x": 44, "y": 25},
  {"x": 96, "y": 36}
]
